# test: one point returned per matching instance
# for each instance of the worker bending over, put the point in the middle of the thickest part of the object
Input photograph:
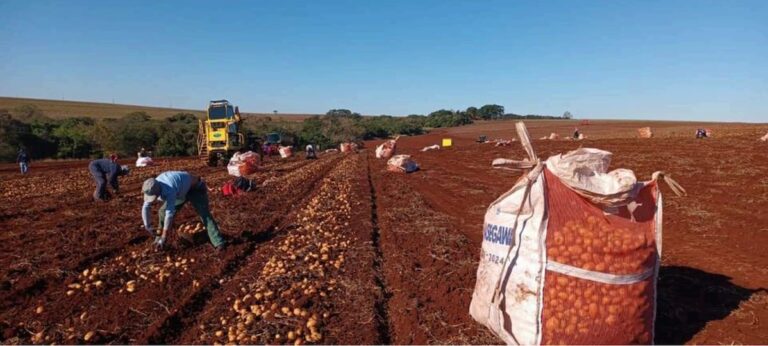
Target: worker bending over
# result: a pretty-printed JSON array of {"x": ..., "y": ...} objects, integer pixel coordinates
[
  {"x": 175, "y": 188},
  {"x": 103, "y": 171},
  {"x": 311, "y": 153}
]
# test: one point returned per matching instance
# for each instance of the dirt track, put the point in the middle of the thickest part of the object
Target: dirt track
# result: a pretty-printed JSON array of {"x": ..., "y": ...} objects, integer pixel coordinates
[{"x": 371, "y": 256}]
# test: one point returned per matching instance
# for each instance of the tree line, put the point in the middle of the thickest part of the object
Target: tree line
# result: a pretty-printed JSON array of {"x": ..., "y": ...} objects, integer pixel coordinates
[{"x": 83, "y": 137}]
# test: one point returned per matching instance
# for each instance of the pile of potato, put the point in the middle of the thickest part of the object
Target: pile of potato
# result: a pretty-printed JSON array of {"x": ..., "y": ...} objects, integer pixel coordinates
[
  {"x": 86, "y": 281},
  {"x": 580, "y": 311},
  {"x": 289, "y": 302}
]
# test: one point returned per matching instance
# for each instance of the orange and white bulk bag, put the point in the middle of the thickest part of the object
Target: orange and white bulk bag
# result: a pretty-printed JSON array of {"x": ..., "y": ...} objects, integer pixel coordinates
[
  {"x": 285, "y": 152},
  {"x": 571, "y": 254},
  {"x": 645, "y": 132},
  {"x": 387, "y": 149}
]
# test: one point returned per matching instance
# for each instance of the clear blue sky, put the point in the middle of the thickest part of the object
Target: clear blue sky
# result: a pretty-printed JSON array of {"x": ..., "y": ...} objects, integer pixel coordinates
[{"x": 698, "y": 60}]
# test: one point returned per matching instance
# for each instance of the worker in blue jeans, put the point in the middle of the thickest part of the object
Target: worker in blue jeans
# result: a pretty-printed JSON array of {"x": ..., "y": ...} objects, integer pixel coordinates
[
  {"x": 175, "y": 188},
  {"x": 106, "y": 171},
  {"x": 23, "y": 160}
]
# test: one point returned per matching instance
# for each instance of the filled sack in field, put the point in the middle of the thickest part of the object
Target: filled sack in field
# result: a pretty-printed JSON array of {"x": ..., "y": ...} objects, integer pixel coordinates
[
  {"x": 645, "y": 132},
  {"x": 431, "y": 147},
  {"x": 237, "y": 186},
  {"x": 764, "y": 138},
  {"x": 243, "y": 164},
  {"x": 402, "y": 163},
  {"x": 144, "y": 162},
  {"x": 345, "y": 147},
  {"x": 553, "y": 136},
  {"x": 571, "y": 254},
  {"x": 285, "y": 152},
  {"x": 387, "y": 149}
]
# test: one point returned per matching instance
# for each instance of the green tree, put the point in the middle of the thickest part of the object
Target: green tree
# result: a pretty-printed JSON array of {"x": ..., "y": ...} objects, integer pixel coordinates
[
  {"x": 74, "y": 137},
  {"x": 473, "y": 113},
  {"x": 491, "y": 111}
]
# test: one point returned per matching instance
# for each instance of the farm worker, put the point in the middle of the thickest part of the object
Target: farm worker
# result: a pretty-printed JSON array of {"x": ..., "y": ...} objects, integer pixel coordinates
[
  {"x": 310, "y": 150},
  {"x": 142, "y": 153},
  {"x": 576, "y": 133},
  {"x": 23, "y": 160},
  {"x": 103, "y": 171},
  {"x": 175, "y": 188}
]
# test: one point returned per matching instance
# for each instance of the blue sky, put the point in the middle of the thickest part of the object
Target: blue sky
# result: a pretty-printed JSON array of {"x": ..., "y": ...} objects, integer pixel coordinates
[{"x": 697, "y": 60}]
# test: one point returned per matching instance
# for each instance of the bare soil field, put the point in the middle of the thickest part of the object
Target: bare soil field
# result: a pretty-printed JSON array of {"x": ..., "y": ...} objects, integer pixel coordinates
[{"x": 339, "y": 250}]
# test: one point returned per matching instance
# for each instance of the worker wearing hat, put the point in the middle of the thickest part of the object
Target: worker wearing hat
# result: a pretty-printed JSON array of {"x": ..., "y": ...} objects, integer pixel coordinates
[
  {"x": 103, "y": 171},
  {"x": 175, "y": 188}
]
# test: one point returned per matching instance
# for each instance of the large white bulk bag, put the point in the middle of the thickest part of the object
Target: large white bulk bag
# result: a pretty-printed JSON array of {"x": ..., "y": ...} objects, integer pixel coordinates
[
  {"x": 571, "y": 253},
  {"x": 144, "y": 161}
]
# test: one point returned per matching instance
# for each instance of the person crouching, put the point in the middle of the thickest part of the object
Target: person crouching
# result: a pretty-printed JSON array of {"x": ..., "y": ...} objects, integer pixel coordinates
[{"x": 106, "y": 171}]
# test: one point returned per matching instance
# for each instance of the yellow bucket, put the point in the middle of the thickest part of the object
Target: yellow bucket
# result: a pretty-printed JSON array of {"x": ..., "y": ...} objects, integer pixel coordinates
[{"x": 447, "y": 142}]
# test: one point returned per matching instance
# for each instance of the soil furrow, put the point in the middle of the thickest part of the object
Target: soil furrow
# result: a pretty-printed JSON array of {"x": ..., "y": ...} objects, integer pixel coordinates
[
  {"x": 382, "y": 302},
  {"x": 170, "y": 328},
  {"x": 161, "y": 303}
]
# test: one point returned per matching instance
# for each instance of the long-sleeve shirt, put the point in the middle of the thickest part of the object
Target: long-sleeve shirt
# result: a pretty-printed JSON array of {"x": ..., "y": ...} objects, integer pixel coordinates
[
  {"x": 173, "y": 185},
  {"x": 22, "y": 157},
  {"x": 108, "y": 167}
]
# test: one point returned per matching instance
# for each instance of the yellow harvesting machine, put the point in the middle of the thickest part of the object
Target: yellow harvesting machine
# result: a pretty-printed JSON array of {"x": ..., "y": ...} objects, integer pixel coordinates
[{"x": 220, "y": 134}]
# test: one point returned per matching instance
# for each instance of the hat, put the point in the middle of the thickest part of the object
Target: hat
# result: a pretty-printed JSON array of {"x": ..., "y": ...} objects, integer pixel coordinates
[{"x": 151, "y": 190}]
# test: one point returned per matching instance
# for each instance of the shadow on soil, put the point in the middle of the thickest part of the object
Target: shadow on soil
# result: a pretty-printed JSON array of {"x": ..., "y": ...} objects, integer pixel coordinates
[{"x": 689, "y": 298}]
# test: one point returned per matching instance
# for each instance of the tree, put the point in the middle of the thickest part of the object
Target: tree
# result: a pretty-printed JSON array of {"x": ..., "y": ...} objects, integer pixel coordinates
[
  {"x": 473, "y": 113},
  {"x": 74, "y": 137},
  {"x": 567, "y": 115},
  {"x": 346, "y": 113},
  {"x": 491, "y": 111}
]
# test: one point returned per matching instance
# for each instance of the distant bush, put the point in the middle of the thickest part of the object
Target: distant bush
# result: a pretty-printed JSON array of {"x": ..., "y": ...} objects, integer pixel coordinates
[{"x": 82, "y": 137}]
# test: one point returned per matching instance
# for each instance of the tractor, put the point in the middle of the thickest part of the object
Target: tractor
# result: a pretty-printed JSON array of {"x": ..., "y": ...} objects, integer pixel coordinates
[
  {"x": 221, "y": 133},
  {"x": 272, "y": 143}
]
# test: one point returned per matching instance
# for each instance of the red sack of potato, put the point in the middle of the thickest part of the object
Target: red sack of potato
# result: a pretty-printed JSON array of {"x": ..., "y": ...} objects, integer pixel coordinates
[
  {"x": 387, "y": 149},
  {"x": 285, "y": 152},
  {"x": 571, "y": 254}
]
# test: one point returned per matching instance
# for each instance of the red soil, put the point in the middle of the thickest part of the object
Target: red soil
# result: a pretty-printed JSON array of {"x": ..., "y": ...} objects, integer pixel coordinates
[{"x": 412, "y": 243}]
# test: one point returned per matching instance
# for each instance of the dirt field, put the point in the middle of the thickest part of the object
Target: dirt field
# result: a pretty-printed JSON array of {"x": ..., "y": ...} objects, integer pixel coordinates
[{"x": 338, "y": 250}]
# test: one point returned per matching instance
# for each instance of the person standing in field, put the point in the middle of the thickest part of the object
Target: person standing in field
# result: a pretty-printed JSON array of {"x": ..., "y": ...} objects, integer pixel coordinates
[
  {"x": 175, "y": 188},
  {"x": 106, "y": 171},
  {"x": 23, "y": 160}
]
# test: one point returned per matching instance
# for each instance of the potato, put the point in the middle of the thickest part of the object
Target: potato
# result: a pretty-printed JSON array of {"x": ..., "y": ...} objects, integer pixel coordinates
[{"x": 580, "y": 311}]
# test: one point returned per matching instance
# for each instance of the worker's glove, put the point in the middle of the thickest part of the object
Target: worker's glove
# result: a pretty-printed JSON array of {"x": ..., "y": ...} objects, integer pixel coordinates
[{"x": 159, "y": 243}]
